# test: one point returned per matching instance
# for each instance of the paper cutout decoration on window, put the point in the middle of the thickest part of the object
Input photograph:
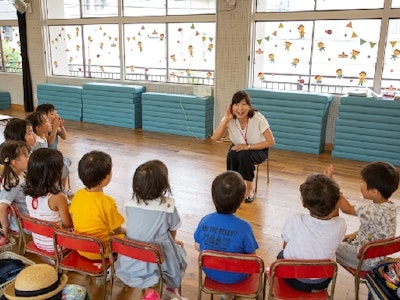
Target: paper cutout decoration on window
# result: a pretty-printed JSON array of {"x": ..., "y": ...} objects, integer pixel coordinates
[
  {"x": 396, "y": 53},
  {"x": 301, "y": 31},
  {"x": 339, "y": 73},
  {"x": 361, "y": 78},
  {"x": 354, "y": 54},
  {"x": 271, "y": 57}
]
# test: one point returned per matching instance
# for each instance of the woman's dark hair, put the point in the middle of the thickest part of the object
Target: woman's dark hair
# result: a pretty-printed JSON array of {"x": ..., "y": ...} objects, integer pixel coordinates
[
  {"x": 150, "y": 181},
  {"x": 228, "y": 190},
  {"x": 242, "y": 95},
  {"x": 94, "y": 167},
  {"x": 15, "y": 129},
  {"x": 44, "y": 172},
  {"x": 320, "y": 195},
  {"x": 381, "y": 176},
  {"x": 10, "y": 151}
]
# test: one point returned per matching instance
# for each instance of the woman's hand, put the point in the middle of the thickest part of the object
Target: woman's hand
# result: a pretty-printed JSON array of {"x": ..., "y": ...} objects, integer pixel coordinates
[
  {"x": 228, "y": 113},
  {"x": 240, "y": 147}
]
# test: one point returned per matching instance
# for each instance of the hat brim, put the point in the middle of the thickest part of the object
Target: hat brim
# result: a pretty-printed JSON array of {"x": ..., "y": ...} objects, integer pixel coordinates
[{"x": 9, "y": 291}]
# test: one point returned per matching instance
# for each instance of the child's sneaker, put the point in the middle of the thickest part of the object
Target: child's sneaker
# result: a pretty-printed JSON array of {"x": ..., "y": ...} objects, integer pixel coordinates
[
  {"x": 226, "y": 297},
  {"x": 100, "y": 280},
  {"x": 172, "y": 295},
  {"x": 151, "y": 295}
]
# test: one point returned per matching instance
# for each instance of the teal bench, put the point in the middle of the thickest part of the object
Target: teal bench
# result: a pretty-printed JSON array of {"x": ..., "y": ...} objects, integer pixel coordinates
[
  {"x": 368, "y": 129},
  {"x": 112, "y": 104},
  {"x": 178, "y": 114},
  {"x": 297, "y": 119},
  {"x": 5, "y": 100},
  {"x": 66, "y": 98}
]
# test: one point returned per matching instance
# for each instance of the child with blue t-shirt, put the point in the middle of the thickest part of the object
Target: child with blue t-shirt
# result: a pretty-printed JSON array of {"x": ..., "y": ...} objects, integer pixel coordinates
[{"x": 222, "y": 230}]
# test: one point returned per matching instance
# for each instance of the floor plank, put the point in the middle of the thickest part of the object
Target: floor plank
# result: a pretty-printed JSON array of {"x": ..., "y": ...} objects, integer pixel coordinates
[{"x": 193, "y": 164}]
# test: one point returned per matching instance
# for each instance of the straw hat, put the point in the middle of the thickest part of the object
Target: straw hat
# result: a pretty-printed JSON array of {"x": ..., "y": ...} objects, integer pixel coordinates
[{"x": 36, "y": 282}]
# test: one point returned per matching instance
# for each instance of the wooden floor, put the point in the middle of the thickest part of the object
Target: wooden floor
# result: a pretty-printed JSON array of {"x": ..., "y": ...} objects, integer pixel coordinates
[{"x": 193, "y": 164}]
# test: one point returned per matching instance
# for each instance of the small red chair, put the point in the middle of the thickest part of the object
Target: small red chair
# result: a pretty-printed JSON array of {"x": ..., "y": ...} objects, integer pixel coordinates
[
  {"x": 137, "y": 250},
  {"x": 299, "y": 268},
  {"x": 252, "y": 287},
  {"x": 378, "y": 248},
  {"x": 37, "y": 226},
  {"x": 73, "y": 261}
]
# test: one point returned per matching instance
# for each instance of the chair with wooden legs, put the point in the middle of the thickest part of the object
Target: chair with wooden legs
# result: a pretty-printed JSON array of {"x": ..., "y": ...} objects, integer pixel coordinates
[
  {"x": 73, "y": 261},
  {"x": 378, "y": 248},
  {"x": 137, "y": 250},
  {"x": 252, "y": 287},
  {"x": 40, "y": 227},
  {"x": 300, "y": 268}
]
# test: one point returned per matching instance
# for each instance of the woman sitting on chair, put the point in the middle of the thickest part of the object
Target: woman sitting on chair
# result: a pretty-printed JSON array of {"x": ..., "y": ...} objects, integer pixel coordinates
[{"x": 251, "y": 137}]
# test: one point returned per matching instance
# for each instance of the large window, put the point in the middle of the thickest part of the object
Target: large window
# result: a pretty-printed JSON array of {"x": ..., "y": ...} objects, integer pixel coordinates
[
  {"x": 327, "y": 45},
  {"x": 163, "y": 41},
  {"x": 10, "y": 50}
]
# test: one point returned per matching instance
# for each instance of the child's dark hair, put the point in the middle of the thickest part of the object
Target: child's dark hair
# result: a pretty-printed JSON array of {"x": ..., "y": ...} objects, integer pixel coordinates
[
  {"x": 242, "y": 95},
  {"x": 44, "y": 172},
  {"x": 228, "y": 190},
  {"x": 36, "y": 119},
  {"x": 46, "y": 108},
  {"x": 381, "y": 176},
  {"x": 15, "y": 129},
  {"x": 150, "y": 181},
  {"x": 11, "y": 150},
  {"x": 94, "y": 167},
  {"x": 320, "y": 195}
]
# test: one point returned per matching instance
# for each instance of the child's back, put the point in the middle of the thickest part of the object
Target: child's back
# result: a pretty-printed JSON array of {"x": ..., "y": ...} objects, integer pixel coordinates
[
  {"x": 315, "y": 235},
  {"x": 222, "y": 230},
  {"x": 93, "y": 212},
  {"x": 14, "y": 155},
  {"x": 152, "y": 217},
  {"x": 379, "y": 180},
  {"x": 43, "y": 188}
]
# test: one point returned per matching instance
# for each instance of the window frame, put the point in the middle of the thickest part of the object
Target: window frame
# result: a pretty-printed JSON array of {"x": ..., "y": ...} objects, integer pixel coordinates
[
  {"x": 121, "y": 20},
  {"x": 384, "y": 14}
]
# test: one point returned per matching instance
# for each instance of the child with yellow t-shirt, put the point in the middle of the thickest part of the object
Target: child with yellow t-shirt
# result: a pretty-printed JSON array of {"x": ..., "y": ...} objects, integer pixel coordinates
[{"x": 93, "y": 212}]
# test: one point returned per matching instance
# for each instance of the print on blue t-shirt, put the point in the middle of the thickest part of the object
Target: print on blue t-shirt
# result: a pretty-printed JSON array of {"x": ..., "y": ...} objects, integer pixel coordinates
[{"x": 225, "y": 233}]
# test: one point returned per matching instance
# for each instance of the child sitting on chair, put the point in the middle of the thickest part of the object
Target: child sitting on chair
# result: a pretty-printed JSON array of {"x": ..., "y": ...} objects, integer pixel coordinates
[
  {"x": 379, "y": 180},
  {"x": 43, "y": 190},
  {"x": 152, "y": 217},
  {"x": 93, "y": 212},
  {"x": 315, "y": 235},
  {"x": 236, "y": 235}
]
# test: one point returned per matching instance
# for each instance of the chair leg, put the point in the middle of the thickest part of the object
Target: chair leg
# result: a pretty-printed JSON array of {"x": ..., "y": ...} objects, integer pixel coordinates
[
  {"x": 267, "y": 170},
  {"x": 256, "y": 179},
  {"x": 357, "y": 287}
]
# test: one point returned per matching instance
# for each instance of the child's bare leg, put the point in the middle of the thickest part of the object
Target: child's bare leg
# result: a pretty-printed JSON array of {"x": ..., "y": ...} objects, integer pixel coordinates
[{"x": 329, "y": 171}]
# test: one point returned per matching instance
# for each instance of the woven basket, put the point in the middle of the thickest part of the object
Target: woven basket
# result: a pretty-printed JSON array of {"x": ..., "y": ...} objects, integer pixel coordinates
[
  {"x": 9, "y": 246},
  {"x": 12, "y": 255}
]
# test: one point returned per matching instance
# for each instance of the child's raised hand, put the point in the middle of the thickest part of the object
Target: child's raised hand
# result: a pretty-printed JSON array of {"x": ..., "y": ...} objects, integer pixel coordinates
[
  {"x": 329, "y": 171},
  {"x": 350, "y": 237},
  {"x": 57, "y": 122}
]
